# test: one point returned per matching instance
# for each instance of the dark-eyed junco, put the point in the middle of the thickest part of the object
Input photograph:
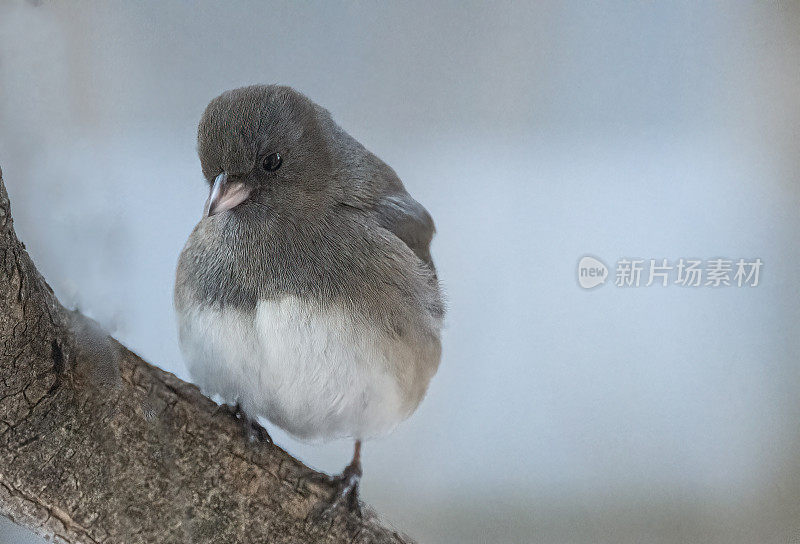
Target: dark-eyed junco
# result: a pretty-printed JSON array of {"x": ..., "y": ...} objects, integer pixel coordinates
[{"x": 306, "y": 294}]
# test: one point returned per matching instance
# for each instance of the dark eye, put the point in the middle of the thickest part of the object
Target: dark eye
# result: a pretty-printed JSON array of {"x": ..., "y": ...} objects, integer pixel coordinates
[{"x": 272, "y": 162}]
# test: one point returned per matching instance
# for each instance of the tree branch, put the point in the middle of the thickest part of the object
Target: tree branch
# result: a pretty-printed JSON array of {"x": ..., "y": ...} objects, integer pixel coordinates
[{"x": 97, "y": 445}]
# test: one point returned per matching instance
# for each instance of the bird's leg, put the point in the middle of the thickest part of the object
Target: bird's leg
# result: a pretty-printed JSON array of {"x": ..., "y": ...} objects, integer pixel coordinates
[
  {"x": 349, "y": 480},
  {"x": 346, "y": 493},
  {"x": 252, "y": 429}
]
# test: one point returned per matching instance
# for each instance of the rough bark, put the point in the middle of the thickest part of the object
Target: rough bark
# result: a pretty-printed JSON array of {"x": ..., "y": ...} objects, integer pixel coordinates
[{"x": 97, "y": 445}]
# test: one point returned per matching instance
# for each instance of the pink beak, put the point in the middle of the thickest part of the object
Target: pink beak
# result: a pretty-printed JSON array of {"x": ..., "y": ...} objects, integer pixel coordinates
[{"x": 225, "y": 195}]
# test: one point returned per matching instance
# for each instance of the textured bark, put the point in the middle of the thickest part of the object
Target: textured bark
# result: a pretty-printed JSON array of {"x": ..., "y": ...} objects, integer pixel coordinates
[{"x": 97, "y": 445}]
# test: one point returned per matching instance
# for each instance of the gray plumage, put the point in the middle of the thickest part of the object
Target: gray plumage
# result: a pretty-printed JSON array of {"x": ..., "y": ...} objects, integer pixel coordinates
[{"x": 332, "y": 230}]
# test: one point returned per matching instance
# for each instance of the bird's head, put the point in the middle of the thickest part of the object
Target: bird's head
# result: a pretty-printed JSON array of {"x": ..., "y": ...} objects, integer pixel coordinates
[{"x": 266, "y": 146}]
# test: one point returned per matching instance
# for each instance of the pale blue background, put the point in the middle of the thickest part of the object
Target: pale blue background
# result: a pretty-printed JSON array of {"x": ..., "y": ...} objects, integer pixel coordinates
[{"x": 534, "y": 134}]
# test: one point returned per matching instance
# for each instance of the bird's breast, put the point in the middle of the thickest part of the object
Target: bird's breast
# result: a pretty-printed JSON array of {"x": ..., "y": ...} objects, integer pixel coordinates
[{"x": 318, "y": 372}]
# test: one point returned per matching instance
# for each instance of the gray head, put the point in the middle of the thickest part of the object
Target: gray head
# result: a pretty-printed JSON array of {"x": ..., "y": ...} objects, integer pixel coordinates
[
  {"x": 302, "y": 209},
  {"x": 269, "y": 146},
  {"x": 299, "y": 207}
]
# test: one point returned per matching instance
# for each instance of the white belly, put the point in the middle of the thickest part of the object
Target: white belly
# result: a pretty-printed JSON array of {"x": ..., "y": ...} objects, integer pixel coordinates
[{"x": 316, "y": 374}]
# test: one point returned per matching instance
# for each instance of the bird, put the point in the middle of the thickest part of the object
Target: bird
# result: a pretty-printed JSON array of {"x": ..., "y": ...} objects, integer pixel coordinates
[{"x": 306, "y": 295}]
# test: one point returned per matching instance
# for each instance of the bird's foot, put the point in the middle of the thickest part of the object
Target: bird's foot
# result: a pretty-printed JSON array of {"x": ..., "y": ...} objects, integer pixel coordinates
[
  {"x": 253, "y": 430},
  {"x": 345, "y": 495},
  {"x": 227, "y": 410},
  {"x": 256, "y": 432}
]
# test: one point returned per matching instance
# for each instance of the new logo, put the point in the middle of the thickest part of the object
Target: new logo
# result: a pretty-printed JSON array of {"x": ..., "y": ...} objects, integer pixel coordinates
[{"x": 591, "y": 272}]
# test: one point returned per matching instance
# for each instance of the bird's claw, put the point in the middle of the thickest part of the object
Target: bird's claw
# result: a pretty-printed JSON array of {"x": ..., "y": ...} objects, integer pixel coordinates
[
  {"x": 227, "y": 410},
  {"x": 345, "y": 496},
  {"x": 256, "y": 432},
  {"x": 253, "y": 430}
]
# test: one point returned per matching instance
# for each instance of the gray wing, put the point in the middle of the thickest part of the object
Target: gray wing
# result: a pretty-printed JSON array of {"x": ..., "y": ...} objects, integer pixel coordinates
[
  {"x": 376, "y": 189},
  {"x": 408, "y": 220}
]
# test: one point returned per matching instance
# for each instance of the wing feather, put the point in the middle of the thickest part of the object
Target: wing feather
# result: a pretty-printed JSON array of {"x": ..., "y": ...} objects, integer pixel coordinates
[{"x": 407, "y": 219}]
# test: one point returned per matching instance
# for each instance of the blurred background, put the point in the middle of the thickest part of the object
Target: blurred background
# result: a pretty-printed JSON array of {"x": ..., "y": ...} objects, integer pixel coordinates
[{"x": 535, "y": 133}]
